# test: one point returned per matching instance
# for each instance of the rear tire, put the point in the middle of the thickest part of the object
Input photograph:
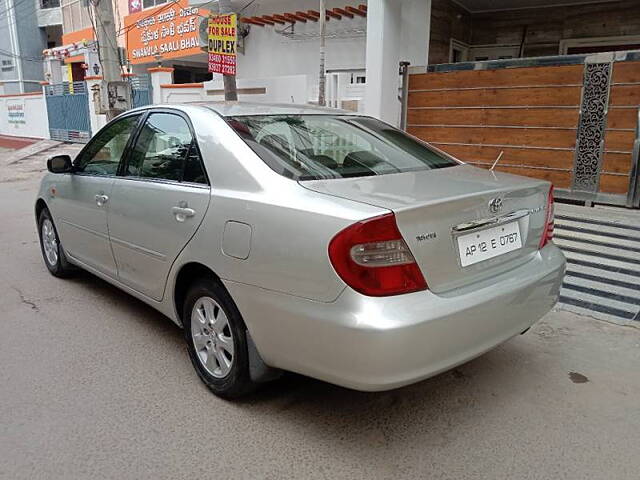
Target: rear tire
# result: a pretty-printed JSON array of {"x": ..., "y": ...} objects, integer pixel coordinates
[
  {"x": 52, "y": 251},
  {"x": 216, "y": 339}
]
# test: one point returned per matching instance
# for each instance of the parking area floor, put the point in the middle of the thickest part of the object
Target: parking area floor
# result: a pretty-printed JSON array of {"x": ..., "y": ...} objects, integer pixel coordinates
[{"x": 97, "y": 385}]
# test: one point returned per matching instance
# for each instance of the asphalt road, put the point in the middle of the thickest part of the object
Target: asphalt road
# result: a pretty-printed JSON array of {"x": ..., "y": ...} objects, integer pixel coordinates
[{"x": 94, "y": 384}]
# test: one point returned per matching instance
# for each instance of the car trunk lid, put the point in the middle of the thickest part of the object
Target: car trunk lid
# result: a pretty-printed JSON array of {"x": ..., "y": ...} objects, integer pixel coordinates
[{"x": 446, "y": 215}]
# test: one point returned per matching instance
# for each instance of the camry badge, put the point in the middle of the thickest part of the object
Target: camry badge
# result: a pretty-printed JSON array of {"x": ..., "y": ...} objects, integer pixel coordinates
[{"x": 495, "y": 205}]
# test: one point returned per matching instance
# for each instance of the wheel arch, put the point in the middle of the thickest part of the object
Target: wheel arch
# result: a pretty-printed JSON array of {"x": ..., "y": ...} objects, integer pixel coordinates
[
  {"x": 259, "y": 371},
  {"x": 188, "y": 273},
  {"x": 39, "y": 207}
]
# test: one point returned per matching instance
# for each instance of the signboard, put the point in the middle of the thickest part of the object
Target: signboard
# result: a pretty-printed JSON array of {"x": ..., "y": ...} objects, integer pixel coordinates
[
  {"x": 15, "y": 112},
  {"x": 222, "y": 33},
  {"x": 168, "y": 31}
]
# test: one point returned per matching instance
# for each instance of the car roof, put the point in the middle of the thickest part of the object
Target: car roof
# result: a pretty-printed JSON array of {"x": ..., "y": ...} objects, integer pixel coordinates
[{"x": 232, "y": 109}]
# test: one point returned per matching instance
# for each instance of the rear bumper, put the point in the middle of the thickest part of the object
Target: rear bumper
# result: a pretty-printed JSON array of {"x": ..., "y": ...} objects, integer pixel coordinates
[{"x": 373, "y": 344}]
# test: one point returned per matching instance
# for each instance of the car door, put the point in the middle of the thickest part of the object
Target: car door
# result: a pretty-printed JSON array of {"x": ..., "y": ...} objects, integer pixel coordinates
[
  {"x": 82, "y": 198},
  {"x": 158, "y": 202}
]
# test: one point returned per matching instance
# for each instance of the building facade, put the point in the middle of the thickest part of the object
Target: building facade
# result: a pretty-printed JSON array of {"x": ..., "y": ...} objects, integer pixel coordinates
[
  {"x": 551, "y": 88},
  {"x": 480, "y": 30},
  {"x": 27, "y": 28}
]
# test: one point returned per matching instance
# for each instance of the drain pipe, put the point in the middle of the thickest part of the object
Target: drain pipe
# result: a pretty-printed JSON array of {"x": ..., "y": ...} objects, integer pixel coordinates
[{"x": 404, "y": 94}]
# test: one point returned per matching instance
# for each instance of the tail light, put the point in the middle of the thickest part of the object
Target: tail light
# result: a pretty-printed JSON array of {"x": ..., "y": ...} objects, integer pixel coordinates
[
  {"x": 547, "y": 233},
  {"x": 372, "y": 258}
]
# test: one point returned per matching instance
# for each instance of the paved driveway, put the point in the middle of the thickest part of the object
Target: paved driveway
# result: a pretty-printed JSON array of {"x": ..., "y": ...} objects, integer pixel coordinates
[{"x": 97, "y": 385}]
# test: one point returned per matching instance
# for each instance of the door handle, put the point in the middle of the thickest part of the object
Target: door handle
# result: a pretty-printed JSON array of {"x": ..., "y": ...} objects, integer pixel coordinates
[
  {"x": 101, "y": 199},
  {"x": 182, "y": 213}
]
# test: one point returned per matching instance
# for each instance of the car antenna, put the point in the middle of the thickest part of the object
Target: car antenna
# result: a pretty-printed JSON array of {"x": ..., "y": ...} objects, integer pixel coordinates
[{"x": 497, "y": 160}]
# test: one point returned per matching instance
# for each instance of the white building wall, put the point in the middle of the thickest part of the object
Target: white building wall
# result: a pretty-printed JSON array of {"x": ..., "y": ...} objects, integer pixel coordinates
[
  {"x": 393, "y": 30},
  {"x": 268, "y": 53},
  {"x": 415, "y": 31},
  {"x": 24, "y": 116},
  {"x": 281, "y": 89},
  {"x": 396, "y": 30}
]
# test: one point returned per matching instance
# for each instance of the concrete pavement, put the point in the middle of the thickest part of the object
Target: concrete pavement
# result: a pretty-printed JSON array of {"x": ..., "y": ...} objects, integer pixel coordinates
[
  {"x": 31, "y": 161},
  {"x": 97, "y": 385}
]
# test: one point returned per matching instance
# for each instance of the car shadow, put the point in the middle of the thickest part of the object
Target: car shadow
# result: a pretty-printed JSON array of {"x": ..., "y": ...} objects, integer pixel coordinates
[
  {"x": 138, "y": 310},
  {"x": 427, "y": 412}
]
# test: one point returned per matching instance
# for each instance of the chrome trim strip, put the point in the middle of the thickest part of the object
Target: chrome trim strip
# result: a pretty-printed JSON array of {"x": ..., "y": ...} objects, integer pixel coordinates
[
  {"x": 488, "y": 222},
  {"x": 80, "y": 227},
  {"x": 164, "y": 181},
  {"x": 138, "y": 248}
]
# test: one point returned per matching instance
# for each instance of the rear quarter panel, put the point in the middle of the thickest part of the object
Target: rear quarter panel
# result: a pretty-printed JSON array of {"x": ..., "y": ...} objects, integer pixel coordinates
[{"x": 290, "y": 226}]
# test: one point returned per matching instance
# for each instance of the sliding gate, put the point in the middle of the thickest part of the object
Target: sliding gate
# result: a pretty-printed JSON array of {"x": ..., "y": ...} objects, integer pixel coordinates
[
  {"x": 68, "y": 112},
  {"x": 573, "y": 120}
]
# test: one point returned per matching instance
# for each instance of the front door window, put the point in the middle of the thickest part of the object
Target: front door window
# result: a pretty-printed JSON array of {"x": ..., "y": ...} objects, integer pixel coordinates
[{"x": 103, "y": 154}]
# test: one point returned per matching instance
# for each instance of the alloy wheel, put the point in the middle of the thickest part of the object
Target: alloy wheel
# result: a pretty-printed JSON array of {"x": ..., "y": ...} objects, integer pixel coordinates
[
  {"x": 49, "y": 242},
  {"x": 212, "y": 337}
]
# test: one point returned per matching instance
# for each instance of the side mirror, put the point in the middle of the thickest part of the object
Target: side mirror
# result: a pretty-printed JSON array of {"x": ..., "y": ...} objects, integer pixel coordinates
[{"x": 60, "y": 164}]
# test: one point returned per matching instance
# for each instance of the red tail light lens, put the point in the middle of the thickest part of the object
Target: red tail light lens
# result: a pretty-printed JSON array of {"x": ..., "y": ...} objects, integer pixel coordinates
[
  {"x": 372, "y": 258},
  {"x": 547, "y": 233}
]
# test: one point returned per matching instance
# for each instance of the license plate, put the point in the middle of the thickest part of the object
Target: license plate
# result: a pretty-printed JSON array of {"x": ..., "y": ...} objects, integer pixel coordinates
[{"x": 478, "y": 246}]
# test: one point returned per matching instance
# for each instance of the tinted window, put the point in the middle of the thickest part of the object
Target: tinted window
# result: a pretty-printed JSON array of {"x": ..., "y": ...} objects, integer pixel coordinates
[
  {"x": 161, "y": 149},
  {"x": 193, "y": 169},
  {"x": 102, "y": 155},
  {"x": 308, "y": 147}
]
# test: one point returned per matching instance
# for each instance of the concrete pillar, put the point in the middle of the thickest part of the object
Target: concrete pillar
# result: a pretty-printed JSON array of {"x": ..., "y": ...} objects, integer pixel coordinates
[
  {"x": 396, "y": 30},
  {"x": 159, "y": 76},
  {"x": 382, "y": 57},
  {"x": 44, "y": 86},
  {"x": 416, "y": 31},
  {"x": 96, "y": 120}
]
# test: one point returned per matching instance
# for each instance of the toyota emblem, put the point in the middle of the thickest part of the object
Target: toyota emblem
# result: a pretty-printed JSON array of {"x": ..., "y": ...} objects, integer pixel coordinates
[{"x": 495, "y": 205}]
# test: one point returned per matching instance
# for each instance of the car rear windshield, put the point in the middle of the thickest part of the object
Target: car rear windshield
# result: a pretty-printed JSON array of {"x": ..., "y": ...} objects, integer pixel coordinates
[{"x": 312, "y": 147}]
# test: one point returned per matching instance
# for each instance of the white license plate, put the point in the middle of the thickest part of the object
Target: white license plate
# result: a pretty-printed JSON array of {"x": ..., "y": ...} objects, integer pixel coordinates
[{"x": 478, "y": 246}]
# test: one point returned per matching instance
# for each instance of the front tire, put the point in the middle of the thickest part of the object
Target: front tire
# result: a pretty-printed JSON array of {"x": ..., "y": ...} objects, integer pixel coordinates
[
  {"x": 52, "y": 251},
  {"x": 216, "y": 339}
]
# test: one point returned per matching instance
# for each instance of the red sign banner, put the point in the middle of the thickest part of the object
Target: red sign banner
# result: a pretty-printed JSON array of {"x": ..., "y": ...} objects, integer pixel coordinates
[{"x": 224, "y": 64}]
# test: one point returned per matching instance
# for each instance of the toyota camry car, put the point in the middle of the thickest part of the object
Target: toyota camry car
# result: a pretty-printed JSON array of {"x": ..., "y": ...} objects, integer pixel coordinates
[{"x": 295, "y": 238}]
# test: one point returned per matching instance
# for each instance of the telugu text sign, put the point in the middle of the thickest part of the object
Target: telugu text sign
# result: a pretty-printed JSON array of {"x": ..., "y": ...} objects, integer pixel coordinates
[
  {"x": 165, "y": 31},
  {"x": 15, "y": 112},
  {"x": 222, "y": 43}
]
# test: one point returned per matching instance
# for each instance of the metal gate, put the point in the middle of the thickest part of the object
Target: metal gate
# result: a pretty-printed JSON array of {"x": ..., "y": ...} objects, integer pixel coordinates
[
  {"x": 68, "y": 112},
  {"x": 140, "y": 91},
  {"x": 573, "y": 120}
]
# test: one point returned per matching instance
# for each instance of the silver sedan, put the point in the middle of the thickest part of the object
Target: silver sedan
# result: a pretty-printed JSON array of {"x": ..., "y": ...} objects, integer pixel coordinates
[{"x": 303, "y": 239}]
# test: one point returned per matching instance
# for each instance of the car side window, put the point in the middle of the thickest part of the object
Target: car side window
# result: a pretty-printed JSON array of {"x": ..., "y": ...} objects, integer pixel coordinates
[
  {"x": 193, "y": 169},
  {"x": 103, "y": 154},
  {"x": 165, "y": 149}
]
